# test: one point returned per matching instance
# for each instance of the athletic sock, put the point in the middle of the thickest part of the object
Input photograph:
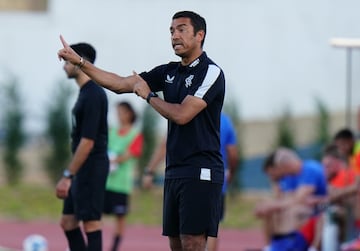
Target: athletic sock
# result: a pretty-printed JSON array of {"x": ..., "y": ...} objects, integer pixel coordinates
[
  {"x": 75, "y": 240},
  {"x": 94, "y": 241},
  {"x": 116, "y": 243}
]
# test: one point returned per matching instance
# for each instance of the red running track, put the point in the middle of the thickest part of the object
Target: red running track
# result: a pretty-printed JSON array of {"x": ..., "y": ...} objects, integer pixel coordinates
[{"x": 137, "y": 238}]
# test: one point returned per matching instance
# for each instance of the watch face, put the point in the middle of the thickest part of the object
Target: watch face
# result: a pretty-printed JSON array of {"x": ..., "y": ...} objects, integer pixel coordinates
[{"x": 67, "y": 174}]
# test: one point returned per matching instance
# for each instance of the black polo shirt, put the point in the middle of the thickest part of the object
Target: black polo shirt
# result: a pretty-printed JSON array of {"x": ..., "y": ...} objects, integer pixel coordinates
[
  {"x": 193, "y": 149},
  {"x": 89, "y": 118}
]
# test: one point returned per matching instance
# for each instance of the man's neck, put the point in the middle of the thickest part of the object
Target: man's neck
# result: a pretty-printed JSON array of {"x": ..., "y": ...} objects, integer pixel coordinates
[
  {"x": 82, "y": 79},
  {"x": 188, "y": 60}
]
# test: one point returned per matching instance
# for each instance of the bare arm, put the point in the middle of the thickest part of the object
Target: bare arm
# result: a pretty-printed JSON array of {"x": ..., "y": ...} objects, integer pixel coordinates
[
  {"x": 106, "y": 79},
  {"x": 157, "y": 157},
  {"x": 81, "y": 154},
  {"x": 233, "y": 160},
  {"x": 336, "y": 194},
  {"x": 300, "y": 196},
  {"x": 178, "y": 113}
]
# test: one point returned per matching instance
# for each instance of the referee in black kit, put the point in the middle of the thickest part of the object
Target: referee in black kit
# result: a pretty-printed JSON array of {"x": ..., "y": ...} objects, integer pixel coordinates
[
  {"x": 193, "y": 97},
  {"x": 83, "y": 184}
]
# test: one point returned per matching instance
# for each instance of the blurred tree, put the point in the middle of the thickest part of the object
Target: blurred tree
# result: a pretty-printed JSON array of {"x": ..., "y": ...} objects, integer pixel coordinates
[
  {"x": 323, "y": 123},
  {"x": 150, "y": 133},
  {"x": 14, "y": 135},
  {"x": 58, "y": 132},
  {"x": 322, "y": 127},
  {"x": 285, "y": 136}
]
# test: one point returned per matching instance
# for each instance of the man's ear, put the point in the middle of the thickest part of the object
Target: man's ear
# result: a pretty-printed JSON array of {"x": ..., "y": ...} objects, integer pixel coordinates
[{"x": 200, "y": 35}]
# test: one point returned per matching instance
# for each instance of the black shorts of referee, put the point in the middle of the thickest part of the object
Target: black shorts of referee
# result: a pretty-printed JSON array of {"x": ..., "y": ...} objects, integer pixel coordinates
[
  {"x": 191, "y": 207},
  {"x": 86, "y": 196},
  {"x": 116, "y": 203}
]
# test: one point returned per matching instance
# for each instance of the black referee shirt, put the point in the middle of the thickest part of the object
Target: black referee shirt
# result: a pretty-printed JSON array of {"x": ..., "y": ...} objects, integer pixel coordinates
[
  {"x": 193, "y": 149},
  {"x": 89, "y": 118}
]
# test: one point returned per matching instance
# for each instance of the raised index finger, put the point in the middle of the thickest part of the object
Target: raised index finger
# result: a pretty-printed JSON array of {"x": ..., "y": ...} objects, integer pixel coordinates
[{"x": 64, "y": 43}]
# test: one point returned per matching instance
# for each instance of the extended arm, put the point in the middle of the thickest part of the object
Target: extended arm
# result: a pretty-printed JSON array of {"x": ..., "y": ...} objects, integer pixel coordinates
[{"x": 106, "y": 79}]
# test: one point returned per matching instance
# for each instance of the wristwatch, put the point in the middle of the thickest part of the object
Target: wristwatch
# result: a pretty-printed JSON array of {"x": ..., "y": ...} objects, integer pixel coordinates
[
  {"x": 148, "y": 172},
  {"x": 67, "y": 174},
  {"x": 151, "y": 95}
]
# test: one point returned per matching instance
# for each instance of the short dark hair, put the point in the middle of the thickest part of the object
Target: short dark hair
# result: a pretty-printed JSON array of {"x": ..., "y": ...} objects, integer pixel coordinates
[
  {"x": 128, "y": 107},
  {"x": 344, "y": 133},
  {"x": 332, "y": 150},
  {"x": 85, "y": 50},
  {"x": 197, "y": 21}
]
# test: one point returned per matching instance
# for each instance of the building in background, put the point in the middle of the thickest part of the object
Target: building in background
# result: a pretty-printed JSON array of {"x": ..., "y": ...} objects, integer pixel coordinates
[{"x": 275, "y": 54}]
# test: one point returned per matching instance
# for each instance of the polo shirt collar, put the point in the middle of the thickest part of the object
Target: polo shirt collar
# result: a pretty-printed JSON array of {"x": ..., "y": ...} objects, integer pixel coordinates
[
  {"x": 194, "y": 63},
  {"x": 197, "y": 61}
]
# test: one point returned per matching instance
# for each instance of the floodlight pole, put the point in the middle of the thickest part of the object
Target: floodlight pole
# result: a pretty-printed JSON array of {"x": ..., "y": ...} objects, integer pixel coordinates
[
  {"x": 349, "y": 44},
  {"x": 349, "y": 85}
]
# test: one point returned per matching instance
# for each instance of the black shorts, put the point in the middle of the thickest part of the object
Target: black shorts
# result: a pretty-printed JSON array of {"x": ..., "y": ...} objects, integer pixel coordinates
[
  {"x": 222, "y": 207},
  {"x": 86, "y": 196},
  {"x": 191, "y": 207},
  {"x": 116, "y": 203}
]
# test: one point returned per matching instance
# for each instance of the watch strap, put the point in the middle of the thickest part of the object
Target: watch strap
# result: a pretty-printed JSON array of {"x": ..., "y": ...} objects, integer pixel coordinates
[{"x": 151, "y": 95}]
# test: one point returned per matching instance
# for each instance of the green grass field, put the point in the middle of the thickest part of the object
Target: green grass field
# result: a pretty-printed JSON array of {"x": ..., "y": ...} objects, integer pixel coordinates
[{"x": 26, "y": 202}]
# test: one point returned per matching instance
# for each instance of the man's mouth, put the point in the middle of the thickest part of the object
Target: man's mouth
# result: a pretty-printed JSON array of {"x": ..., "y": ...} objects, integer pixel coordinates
[{"x": 177, "y": 46}]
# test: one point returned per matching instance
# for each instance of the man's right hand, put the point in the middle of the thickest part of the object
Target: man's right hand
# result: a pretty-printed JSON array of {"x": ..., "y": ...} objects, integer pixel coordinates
[
  {"x": 67, "y": 53},
  {"x": 63, "y": 187},
  {"x": 147, "y": 181}
]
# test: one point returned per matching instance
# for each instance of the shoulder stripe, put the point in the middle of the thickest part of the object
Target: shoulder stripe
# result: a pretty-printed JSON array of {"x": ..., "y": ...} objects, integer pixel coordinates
[{"x": 210, "y": 78}]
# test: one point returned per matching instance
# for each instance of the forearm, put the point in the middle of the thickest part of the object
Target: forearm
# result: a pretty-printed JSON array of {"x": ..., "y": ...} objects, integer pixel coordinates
[
  {"x": 288, "y": 201},
  {"x": 233, "y": 159},
  {"x": 169, "y": 111},
  {"x": 123, "y": 157},
  {"x": 180, "y": 114},
  {"x": 81, "y": 154},
  {"x": 338, "y": 194},
  {"x": 109, "y": 80},
  {"x": 157, "y": 157}
]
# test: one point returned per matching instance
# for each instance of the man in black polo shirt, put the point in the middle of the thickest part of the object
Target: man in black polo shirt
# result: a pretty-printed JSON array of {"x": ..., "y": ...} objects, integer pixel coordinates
[
  {"x": 193, "y": 97},
  {"x": 83, "y": 185}
]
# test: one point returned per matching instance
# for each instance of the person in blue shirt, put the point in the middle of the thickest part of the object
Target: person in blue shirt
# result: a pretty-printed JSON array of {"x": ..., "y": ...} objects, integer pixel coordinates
[
  {"x": 230, "y": 156},
  {"x": 298, "y": 184}
]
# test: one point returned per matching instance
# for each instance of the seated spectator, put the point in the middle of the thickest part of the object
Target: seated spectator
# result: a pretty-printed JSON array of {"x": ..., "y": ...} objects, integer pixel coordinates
[
  {"x": 342, "y": 185},
  {"x": 290, "y": 217}
]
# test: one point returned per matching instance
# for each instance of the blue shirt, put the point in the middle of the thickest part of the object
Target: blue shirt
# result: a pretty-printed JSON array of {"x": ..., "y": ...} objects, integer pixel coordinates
[
  {"x": 312, "y": 173},
  {"x": 227, "y": 137},
  {"x": 194, "y": 147}
]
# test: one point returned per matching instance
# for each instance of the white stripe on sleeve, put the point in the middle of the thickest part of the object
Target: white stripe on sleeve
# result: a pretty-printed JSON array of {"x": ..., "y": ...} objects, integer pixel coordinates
[{"x": 210, "y": 78}]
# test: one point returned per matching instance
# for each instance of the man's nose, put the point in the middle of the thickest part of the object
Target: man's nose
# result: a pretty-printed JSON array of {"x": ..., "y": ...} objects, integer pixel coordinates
[{"x": 175, "y": 35}]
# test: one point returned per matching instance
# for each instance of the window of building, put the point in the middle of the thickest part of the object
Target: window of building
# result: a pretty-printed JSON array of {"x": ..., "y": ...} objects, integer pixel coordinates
[{"x": 23, "y": 5}]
